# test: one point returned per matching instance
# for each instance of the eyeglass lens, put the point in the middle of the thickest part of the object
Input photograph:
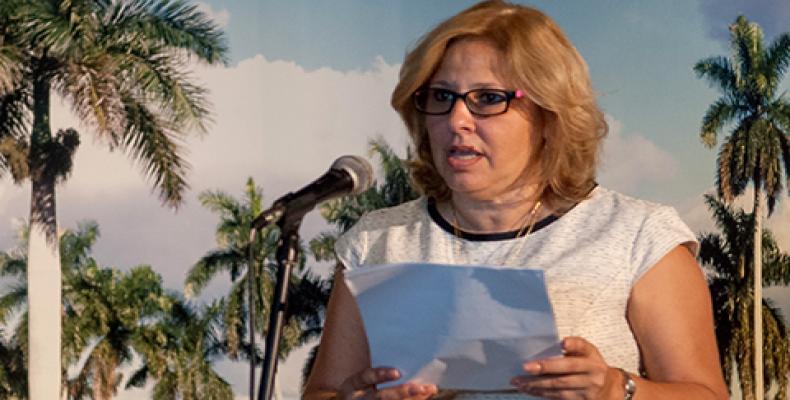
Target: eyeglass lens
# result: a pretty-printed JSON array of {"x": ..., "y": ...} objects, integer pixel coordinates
[{"x": 437, "y": 101}]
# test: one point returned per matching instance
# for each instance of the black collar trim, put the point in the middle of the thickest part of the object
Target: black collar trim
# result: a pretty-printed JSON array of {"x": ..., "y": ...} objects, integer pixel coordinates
[{"x": 433, "y": 211}]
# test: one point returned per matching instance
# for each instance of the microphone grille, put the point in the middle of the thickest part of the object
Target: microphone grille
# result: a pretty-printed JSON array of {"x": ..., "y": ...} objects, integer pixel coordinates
[{"x": 359, "y": 169}]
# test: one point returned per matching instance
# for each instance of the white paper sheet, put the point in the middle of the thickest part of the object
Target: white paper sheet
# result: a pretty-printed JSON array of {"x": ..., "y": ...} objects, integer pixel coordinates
[{"x": 459, "y": 327}]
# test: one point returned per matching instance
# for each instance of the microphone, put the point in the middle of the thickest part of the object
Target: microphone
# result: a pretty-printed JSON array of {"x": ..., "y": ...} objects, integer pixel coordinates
[{"x": 347, "y": 175}]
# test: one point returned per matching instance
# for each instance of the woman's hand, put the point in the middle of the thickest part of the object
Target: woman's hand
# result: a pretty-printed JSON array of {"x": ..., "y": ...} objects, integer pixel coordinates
[
  {"x": 581, "y": 373},
  {"x": 362, "y": 385}
]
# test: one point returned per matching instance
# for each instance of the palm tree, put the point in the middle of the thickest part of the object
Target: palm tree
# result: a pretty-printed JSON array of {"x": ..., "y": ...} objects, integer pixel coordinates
[
  {"x": 104, "y": 308},
  {"x": 729, "y": 255},
  {"x": 75, "y": 248},
  {"x": 120, "y": 65},
  {"x": 343, "y": 213},
  {"x": 178, "y": 352},
  {"x": 13, "y": 374},
  {"x": 758, "y": 144},
  {"x": 252, "y": 291},
  {"x": 113, "y": 307}
]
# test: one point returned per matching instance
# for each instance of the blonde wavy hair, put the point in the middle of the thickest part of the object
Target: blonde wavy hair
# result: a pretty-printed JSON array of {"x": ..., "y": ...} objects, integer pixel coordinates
[{"x": 540, "y": 60}]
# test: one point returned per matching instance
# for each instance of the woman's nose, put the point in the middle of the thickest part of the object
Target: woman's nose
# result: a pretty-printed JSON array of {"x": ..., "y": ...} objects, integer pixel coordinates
[{"x": 460, "y": 118}]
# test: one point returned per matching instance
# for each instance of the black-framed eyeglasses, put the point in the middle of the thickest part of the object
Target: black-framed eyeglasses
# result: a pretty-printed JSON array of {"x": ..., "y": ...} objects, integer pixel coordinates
[{"x": 481, "y": 102}]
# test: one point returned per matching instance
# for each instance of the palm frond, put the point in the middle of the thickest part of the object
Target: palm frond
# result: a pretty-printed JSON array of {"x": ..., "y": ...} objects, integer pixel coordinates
[
  {"x": 11, "y": 266},
  {"x": 721, "y": 112},
  {"x": 12, "y": 302},
  {"x": 162, "y": 79},
  {"x": 322, "y": 247},
  {"x": 172, "y": 23},
  {"x": 724, "y": 185},
  {"x": 234, "y": 317},
  {"x": 713, "y": 253},
  {"x": 718, "y": 72},
  {"x": 746, "y": 39},
  {"x": 221, "y": 203},
  {"x": 15, "y": 117},
  {"x": 159, "y": 148},
  {"x": 209, "y": 266},
  {"x": 39, "y": 24},
  {"x": 92, "y": 86},
  {"x": 779, "y": 112},
  {"x": 777, "y": 59},
  {"x": 10, "y": 68},
  {"x": 776, "y": 264}
]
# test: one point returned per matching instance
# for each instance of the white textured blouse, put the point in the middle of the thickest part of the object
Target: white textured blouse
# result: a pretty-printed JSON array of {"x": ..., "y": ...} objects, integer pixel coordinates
[{"x": 591, "y": 257}]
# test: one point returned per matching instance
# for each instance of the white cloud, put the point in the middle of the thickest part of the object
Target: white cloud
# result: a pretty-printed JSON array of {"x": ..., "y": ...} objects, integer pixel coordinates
[
  {"x": 221, "y": 17},
  {"x": 631, "y": 163}
]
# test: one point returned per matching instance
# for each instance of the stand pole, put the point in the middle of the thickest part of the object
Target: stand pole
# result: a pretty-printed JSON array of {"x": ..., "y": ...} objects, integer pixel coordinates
[{"x": 287, "y": 257}]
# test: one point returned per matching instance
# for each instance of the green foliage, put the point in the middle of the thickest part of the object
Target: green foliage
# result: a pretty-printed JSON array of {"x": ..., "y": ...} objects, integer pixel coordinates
[
  {"x": 13, "y": 374},
  {"x": 307, "y": 293},
  {"x": 109, "y": 315},
  {"x": 178, "y": 351},
  {"x": 729, "y": 254}
]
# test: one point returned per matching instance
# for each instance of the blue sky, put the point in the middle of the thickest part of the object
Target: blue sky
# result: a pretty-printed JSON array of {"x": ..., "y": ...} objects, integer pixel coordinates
[{"x": 309, "y": 80}]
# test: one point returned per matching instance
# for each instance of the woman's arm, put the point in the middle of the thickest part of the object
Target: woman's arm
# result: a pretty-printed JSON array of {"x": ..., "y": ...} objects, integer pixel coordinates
[
  {"x": 343, "y": 349},
  {"x": 669, "y": 311},
  {"x": 342, "y": 367},
  {"x": 671, "y": 316}
]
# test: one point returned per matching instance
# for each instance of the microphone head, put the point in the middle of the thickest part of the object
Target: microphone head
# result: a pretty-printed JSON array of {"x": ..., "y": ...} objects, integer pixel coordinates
[{"x": 358, "y": 169}]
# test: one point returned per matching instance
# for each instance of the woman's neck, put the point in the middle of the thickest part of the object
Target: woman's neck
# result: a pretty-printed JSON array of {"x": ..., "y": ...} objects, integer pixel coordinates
[{"x": 505, "y": 213}]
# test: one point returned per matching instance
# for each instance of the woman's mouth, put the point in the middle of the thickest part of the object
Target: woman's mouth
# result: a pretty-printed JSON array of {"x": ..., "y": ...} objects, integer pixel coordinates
[{"x": 463, "y": 156}]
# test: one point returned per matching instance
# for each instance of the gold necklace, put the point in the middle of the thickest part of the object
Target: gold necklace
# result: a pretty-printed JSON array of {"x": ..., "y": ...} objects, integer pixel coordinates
[{"x": 525, "y": 230}]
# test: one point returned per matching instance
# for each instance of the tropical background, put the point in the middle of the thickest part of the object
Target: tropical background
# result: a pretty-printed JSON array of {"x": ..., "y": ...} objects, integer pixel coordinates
[{"x": 170, "y": 124}]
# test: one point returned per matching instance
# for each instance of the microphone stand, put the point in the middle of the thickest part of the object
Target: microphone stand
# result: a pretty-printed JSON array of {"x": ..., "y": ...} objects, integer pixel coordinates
[{"x": 287, "y": 256}]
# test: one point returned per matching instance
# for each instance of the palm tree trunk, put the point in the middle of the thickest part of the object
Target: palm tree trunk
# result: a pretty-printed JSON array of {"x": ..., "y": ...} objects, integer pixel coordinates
[
  {"x": 43, "y": 270},
  {"x": 758, "y": 294},
  {"x": 251, "y": 308},
  {"x": 278, "y": 394}
]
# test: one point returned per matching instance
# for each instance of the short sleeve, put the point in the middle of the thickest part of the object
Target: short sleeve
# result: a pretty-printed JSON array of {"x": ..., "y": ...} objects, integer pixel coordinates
[
  {"x": 350, "y": 246},
  {"x": 662, "y": 230}
]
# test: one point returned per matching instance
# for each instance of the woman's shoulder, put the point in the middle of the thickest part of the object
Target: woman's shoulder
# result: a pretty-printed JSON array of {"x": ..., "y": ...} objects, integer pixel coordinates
[
  {"x": 648, "y": 225},
  {"x": 608, "y": 199},
  {"x": 386, "y": 218},
  {"x": 354, "y": 246},
  {"x": 391, "y": 216}
]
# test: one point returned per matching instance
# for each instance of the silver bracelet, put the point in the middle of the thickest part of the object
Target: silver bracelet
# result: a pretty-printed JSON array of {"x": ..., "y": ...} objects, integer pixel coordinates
[{"x": 628, "y": 384}]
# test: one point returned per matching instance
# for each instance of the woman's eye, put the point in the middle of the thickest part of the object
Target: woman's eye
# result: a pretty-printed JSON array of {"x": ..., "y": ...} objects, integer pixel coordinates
[
  {"x": 487, "y": 97},
  {"x": 442, "y": 95}
]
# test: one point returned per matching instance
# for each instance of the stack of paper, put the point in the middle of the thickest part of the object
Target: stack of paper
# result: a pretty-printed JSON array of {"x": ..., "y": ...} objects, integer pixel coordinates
[{"x": 459, "y": 327}]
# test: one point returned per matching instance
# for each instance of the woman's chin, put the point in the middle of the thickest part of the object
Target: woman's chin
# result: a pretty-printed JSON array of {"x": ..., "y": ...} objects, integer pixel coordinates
[{"x": 469, "y": 187}]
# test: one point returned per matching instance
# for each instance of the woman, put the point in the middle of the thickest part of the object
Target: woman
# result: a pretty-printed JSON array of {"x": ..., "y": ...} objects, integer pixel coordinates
[{"x": 499, "y": 106}]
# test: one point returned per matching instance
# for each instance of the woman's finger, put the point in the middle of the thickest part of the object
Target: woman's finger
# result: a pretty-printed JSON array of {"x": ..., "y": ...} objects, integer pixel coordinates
[
  {"x": 570, "y": 381},
  {"x": 578, "y": 346},
  {"x": 555, "y": 382},
  {"x": 407, "y": 391},
  {"x": 563, "y": 365},
  {"x": 365, "y": 379}
]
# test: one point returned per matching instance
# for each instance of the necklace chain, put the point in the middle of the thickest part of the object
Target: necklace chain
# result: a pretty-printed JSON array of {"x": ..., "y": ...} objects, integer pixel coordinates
[{"x": 523, "y": 232}]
